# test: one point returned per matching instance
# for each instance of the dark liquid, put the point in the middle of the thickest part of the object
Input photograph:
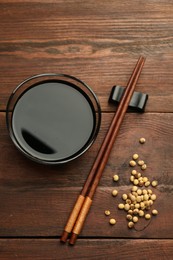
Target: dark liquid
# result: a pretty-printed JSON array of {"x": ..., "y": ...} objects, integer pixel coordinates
[{"x": 53, "y": 121}]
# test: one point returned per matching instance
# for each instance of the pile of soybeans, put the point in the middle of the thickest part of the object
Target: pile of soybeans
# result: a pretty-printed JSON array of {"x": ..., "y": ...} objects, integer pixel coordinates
[{"x": 139, "y": 201}]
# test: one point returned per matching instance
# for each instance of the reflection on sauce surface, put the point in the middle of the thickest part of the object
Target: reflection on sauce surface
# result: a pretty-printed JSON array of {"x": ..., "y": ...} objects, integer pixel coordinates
[{"x": 36, "y": 144}]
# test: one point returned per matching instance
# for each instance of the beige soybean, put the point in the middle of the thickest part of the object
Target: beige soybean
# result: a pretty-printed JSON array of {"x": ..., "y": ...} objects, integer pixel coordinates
[
  {"x": 132, "y": 197},
  {"x": 141, "y": 213},
  {"x": 142, "y": 205},
  {"x": 134, "y": 188},
  {"x": 141, "y": 162},
  {"x": 146, "y": 197},
  {"x": 115, "y": 177},
  {"x": 112, "y": 221},
  {"x": 145, "y": 179},
  {"x": 132, "y": 178},
  {"x": 142, "y": 140},
  {"x": 135, "y": 156},
  {"x": 128, "y": 201},
  {"x": 135, "y": 211},
  {"x": 154, "y": 183},
  {"x": 114, "y": 193},
  {"x": 132, "y": 206},
  {"x": 132, "y": 163},
  {"x": 107, "y": 212},
  {"x": 135, "y": 182},
  {"x": 133, "y": 172},
  {"x": 151, "y": 202},
  {"x": 142, "y": 197},
  {"x": 121, "y": 206},
  {"x": 147, "y": 205},
  {"x": 129, "y": 217},
  {"x": 154, "y": 212},
  {"x": 149, "y": 191},
  {"x": 138, "y": 198},
  {"x": 131, "y": 224},
  {"x": 137, "y": 206},
  {"x": 144, "y": 192},
  {"x": 135, "y": 219},
  {"x": 144, "y": 167},
  {"x": 126, "y": 207},
  {"x": 139, "y": 191},
  {"x": 124, "y": 196},
  {"x": 147, "y": 183},
  {"x": 134, "y": 193},
  {"x": 153, "y": 196},
  {"x": 141, "y": 183},
  {"x": 147, "y": 216}
]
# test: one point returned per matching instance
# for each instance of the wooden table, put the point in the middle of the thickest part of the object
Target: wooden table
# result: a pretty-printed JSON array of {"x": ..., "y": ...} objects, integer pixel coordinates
[{"x": 99, "y": 42}]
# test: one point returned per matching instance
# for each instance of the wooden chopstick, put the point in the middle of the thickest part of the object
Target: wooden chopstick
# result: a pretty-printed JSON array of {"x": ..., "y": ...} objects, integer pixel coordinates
[
  {"x": 115, "y": 125},
  {"x": 106, "y": 146}
]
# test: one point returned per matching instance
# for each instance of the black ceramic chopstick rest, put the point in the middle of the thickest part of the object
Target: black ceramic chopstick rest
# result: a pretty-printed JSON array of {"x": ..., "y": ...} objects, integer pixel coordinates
[{"x": 138, "y": 100}]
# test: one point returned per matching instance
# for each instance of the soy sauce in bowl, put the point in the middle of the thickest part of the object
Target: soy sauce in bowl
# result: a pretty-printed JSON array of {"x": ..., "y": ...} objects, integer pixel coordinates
[{"x": 53, "y": 119}]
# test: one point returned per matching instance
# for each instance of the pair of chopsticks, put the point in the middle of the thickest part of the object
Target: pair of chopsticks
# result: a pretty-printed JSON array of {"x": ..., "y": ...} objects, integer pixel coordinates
[{"x": 81, "y": 208}]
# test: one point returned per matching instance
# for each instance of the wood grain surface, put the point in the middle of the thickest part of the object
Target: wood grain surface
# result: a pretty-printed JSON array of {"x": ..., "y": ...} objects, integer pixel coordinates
[
  {"x": 99, "y": 42},
  {"x": 93, "y": 248}
]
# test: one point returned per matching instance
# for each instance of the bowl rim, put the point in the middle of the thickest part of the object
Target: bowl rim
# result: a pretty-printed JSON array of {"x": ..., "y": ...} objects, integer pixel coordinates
[{"x": 9, "y": 113}]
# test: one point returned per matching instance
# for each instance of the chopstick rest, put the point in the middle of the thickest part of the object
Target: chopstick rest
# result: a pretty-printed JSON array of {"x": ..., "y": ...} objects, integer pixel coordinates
[{"x": 137, "y": 102}]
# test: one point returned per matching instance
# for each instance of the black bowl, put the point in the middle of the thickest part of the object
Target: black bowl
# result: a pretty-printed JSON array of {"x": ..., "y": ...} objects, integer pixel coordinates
[{"x": 53, "y": 118}]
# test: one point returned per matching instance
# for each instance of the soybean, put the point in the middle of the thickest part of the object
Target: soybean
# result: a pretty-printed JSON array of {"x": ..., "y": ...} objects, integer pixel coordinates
[
  {"x": 139, "y": 191},
  {"x": 142, "y": 140},
  {"x": 141, "y": 162},
  {"x": 154, "y": 212},
  {"x": 153, "y": 197},
  {"x": 115, "y": 177},
  {"x": 107, "y": 212},
  {"x": 145, "y": 179},
  {"x": 135, "y": 156},
  {"x": 112, "y": 221},
  {"x": 141, "y": 213},
  {"x": 154, "y": 183},
  {"x": 147, "y": 183},
  {"x": 114, "y": 193},
  {"x": 121, "y": 206},
  {"x": 131, "y": 224},
  {"x": 136, "y": 182},
  {"x": 144, "y": 167},
  {"x": 135, "y": 219},
  {"x": 133, "y": 172},
  {"x": 132, "y": 163},
  {"x": 124, "y": 196},
  {"x": 134, "y": 188},
  {"x": 129, "y": 217},
  {"x": 147, "y": 216},
  {"x": 126, "y": 207}
]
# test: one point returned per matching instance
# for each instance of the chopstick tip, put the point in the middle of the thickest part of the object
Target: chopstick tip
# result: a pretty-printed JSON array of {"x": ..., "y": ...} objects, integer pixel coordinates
[
  {"x": 73, "y": 239},
  {"x": 142, "y": 57},
  {"x": 64, "y": 237}
]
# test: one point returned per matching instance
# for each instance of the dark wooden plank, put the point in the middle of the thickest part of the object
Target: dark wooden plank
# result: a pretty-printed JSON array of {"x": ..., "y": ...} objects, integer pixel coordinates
[
  {"x": 71, "y": 18},
  {"x": 43, "y": 212},
  {"x": 101, "y": 73},
  {"x": 86, "y": 249},
  {"x": 98, "y": 45},
  {"x": 18, "y": 171}
]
